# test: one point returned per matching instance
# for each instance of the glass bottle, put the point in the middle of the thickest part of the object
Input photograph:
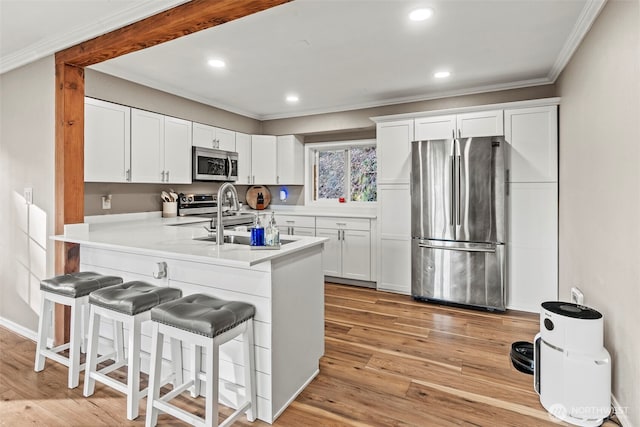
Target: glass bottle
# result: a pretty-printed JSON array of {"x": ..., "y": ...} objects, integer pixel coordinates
[{"x": 257, "y": 232}]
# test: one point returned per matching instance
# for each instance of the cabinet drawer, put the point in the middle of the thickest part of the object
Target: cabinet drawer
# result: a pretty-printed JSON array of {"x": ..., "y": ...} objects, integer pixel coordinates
[
  {"x": 343, "y": 223},
  {"x": 295, "y": 221}
]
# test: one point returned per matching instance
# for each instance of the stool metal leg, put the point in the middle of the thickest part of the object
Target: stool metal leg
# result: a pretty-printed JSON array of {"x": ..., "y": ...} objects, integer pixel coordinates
[
  {"x": 250, "y": 371},
  {"x": 154, "y": 375},
  {"x": 92, "y": 353},
  {"x": 44, "y": 325}
]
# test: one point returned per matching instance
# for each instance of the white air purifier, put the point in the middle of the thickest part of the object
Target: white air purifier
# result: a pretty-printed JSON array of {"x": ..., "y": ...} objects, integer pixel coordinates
[{"x": 572, "y": 372}]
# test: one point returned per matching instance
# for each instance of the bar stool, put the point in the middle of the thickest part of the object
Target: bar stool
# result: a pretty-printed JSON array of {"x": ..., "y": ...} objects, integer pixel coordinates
[
  {"x": 128, "y": 303},
  {"x": 201, "y": 321},
  {"x": 72, "y": 290}
]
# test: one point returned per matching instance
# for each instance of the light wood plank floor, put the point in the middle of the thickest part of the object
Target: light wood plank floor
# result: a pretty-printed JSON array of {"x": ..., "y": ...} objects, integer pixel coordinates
[{"x": 388, "y": 361}]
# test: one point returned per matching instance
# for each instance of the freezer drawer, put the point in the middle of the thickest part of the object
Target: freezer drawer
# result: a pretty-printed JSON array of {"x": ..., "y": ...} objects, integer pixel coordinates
[{"x": 460, "y": 273}]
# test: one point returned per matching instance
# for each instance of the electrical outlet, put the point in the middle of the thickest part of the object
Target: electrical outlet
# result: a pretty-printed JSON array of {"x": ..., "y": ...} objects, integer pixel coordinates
[
  {"x": 28, "y": 195},
  {"x": 106, "y": 201},
  {"x": 577, "y": 297}
]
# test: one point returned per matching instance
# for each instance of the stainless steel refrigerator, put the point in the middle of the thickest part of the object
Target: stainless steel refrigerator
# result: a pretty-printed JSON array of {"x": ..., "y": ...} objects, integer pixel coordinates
[{"x": 458, "y": 222}]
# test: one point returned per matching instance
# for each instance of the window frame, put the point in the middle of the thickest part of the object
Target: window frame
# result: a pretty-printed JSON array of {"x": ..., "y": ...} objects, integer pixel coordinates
[{"x": 310, "y": 151}]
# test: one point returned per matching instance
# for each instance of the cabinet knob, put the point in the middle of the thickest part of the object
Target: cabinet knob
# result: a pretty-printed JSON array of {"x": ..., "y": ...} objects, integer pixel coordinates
[{"x": 161, "y": 272}]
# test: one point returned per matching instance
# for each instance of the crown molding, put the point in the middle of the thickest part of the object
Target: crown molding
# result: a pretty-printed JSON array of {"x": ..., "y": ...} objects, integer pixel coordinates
[
  {"x": 586, "y": 19},
  {"x": 51, "y": 45}
]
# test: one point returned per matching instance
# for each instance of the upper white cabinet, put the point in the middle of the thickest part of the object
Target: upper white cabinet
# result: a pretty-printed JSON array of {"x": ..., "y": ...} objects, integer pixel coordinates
[
  {"x": 264, "y": 158},
  {"x": 212, "y": 137},
  {"x": 394, "y": 151},
  {"x": 107, "y": 141},
  {"x": 464, "y": 125},
  {"x": 532, "y": 134},
  {"x": 276, "y": 160},
  {"x": 243, "y": 148},
  {"x": 160, "y": 148},
  {"x": 290, "y": 163}
]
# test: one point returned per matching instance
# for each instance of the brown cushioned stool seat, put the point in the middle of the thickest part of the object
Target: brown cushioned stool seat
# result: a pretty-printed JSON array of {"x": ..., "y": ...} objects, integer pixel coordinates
[
  {"x": 76, "y": 285},
  {"x": 203, "y": 314},
  {"x": 133, "y": 297}
]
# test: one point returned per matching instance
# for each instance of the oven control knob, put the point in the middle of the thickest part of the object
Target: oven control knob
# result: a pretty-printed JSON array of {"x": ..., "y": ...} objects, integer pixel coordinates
[
  {"x": 183, "y": 199},
  {"x": 190, "y": 199}
]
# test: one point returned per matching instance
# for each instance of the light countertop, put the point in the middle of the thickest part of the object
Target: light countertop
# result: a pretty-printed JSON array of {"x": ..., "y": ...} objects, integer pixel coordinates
[{"x": 173, "y": 237}]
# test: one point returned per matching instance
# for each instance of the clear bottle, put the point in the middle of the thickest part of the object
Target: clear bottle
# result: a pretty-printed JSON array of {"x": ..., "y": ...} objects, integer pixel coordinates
[{"x": 273, "y": 233}]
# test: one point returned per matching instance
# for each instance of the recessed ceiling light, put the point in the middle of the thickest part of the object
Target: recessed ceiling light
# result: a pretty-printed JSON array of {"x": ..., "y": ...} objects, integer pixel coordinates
[
  {"x": 441, "y": 74},
  {"x": 421, "y": 14},
  {"x": 292, "y": 98},
  {"x": 217, "y": 63}
]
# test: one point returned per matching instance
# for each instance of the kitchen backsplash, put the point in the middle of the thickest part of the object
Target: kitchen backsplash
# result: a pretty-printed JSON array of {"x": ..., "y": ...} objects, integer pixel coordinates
[{"x": 130, "y": 198}]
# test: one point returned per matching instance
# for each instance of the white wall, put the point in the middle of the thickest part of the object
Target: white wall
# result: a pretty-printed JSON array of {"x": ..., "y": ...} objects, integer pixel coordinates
[
  {"x": 27, "y": 140},
  {"x": 600, "y": 186}
]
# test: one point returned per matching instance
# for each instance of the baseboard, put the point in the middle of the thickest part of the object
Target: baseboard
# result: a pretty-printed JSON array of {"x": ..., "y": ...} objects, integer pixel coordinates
[
  {"x": 18, "y": 329},
  {"x": 621, "y": 412}
]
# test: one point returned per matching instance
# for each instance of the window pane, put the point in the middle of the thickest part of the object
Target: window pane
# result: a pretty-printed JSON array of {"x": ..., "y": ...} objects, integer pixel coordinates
[
  {"x": 363, "y": 174},
  {"x": 331, "y": 173}
]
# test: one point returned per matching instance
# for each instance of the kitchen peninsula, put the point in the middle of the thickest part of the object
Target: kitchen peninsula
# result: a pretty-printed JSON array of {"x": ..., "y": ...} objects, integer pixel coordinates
[{"x": 285, "y": 285}]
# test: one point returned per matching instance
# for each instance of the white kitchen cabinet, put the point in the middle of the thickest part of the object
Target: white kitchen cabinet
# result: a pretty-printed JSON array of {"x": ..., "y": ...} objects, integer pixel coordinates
[
  {"x": 394, "y": 238},
  {"x": 532, "y": 137},
  {"x": 160, "y": 148},
  {"x": 296, "y": 225},
  {"x": 290, "y": 160},
  {"x": 393, "y": 150},
  {"x": 243, "y": 148},
  {"x": 532, "y": 249},
  {"x": 348, "y": 252},
  {"x": 464, "y": 125},
  {"x": 264, "y": 159},
  {"x": 107, "y": 141},
  {"x": 212, "y": 137}
]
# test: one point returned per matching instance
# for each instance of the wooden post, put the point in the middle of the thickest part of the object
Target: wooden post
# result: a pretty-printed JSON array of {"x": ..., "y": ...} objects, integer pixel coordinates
[{"x": 187, "y": 18}]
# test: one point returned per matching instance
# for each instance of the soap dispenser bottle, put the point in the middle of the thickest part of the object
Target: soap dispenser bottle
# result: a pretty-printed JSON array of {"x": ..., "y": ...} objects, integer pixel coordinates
[{"x": 257, "y": 232}]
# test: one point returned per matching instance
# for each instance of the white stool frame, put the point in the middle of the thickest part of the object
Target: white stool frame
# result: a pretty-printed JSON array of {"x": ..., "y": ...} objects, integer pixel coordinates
[
  {"x": 132, "y": 388},
  {"x": 155, "y": 403},
  {"x": 76, "y": 334}
]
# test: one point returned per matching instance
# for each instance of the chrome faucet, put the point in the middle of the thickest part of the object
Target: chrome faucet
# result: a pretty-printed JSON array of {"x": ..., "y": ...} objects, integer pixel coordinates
[{"x": 227, "y": 186}]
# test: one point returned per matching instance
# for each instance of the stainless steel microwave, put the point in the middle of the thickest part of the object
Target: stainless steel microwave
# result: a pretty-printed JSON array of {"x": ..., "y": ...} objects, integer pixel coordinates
[{"x": 214, "y": 165}]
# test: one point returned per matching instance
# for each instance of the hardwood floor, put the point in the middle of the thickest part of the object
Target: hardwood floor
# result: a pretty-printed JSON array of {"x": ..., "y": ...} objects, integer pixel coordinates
[{"x": 388, "y": 361}]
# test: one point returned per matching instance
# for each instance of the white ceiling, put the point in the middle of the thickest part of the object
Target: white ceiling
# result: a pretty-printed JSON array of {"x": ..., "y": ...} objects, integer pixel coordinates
[{"x": 344, "y": 54}]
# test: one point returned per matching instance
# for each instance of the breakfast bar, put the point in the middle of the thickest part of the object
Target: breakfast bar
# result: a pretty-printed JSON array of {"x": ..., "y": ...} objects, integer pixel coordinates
[{"x": 286, "y": 286}]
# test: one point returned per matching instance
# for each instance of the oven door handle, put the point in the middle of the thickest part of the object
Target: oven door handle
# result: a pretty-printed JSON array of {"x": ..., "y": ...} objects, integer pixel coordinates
[
  {"x": 229, "y": 167},
  {"x": 449, "y": 248}
]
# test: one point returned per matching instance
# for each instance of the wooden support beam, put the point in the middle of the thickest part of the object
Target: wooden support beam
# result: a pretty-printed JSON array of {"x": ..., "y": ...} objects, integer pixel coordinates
[{"x": 190, "y": 17}]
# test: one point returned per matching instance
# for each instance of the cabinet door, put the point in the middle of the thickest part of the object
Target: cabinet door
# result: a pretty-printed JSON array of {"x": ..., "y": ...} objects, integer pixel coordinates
[
  {"x": 331, "y": 255},
  {"x": 395, "y": 266},
  {"x": 290, "y": 163},
  {"x": 226, "y": 139},
  {"x": 243, "y": 148},
  {"x": 147, "y": 146},
  {"x": 107, "y": 141},
  {"x": 394, "y": 151},
  {"x": 480, "y": 123},
  {"x": 435, "y": 127},
  {"x": 356, "y": 254},
  {"x": 532, "y": 250},
  {"x": 177, "y": 150},
  {"x": 263, "y": 159},
  {"x": 204, "y": 136},
  {"x": 532, "y": 134}
]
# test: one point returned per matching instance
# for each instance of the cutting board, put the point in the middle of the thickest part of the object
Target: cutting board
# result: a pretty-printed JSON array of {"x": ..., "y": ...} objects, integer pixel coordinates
[{"x": 258, "y": 197}]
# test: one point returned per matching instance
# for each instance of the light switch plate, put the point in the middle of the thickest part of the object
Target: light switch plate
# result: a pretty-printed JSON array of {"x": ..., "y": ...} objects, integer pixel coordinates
[{"x": 28, "y": 195}]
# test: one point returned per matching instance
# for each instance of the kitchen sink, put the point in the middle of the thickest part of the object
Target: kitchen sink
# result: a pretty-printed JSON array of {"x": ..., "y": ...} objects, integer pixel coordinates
[{"x": 237, "y": 240}]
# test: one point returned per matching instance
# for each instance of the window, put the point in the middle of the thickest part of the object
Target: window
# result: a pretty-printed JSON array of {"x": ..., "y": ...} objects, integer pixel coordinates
[{"x": 345, "y": 169}]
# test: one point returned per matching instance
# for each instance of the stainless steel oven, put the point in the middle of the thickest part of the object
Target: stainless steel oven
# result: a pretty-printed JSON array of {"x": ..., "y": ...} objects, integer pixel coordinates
[{"x": 214, "y": 165}]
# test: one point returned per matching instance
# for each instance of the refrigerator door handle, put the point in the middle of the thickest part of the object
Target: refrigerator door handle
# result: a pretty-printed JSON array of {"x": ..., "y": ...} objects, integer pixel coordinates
[
  {"x": 458, "y": 188},
  {"x": 452, "y": 196},
  {"x": 449, "y": 248}
]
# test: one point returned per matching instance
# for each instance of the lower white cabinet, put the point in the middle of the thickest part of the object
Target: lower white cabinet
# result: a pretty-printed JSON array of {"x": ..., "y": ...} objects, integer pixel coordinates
[
  {"x": 348, "y": 252},
  {"x": 532, "y": 249},
  {"x": 296, "y": 225}
]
